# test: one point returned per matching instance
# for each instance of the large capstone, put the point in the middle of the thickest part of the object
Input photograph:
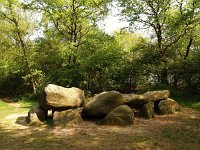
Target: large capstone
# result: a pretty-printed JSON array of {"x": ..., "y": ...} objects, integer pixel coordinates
[
  {"x": 134, "y": 100},
  {"x": 121, "y": 115},
  {"x": 67, "y": 118},
  {"x": 168, "y": 106},
  {"x": 57, "y": 98},
  {"x": 103, "y": 103},
  {"x": 156, "y": 95}
]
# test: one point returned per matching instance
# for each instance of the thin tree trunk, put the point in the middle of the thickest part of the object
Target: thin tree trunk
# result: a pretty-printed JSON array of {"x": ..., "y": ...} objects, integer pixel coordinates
[
  {"x": 164, "y": 75},
  {"x": 188, "y": 48},
  {"x": 175, "y": 82},
  {"x": 24, "y": 49}
]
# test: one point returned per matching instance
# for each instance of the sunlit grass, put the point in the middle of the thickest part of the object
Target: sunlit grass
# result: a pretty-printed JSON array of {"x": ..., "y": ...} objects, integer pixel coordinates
[
  {"x": 196, "y": 105},
  {"x": 27, "y": 104},
  {"x": 8, "y": 109},
  {"x": 5, "y": 110}
]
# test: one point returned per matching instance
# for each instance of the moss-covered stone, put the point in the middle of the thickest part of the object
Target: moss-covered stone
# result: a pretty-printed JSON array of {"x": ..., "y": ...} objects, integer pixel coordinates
[
  {"x": 148, "y": 110},
  {"x": 103, "y": 103},
  {"x": 121, "y": 115},
  {"x": 67, "y": 118},
  {"x": 168, "y": 106}
]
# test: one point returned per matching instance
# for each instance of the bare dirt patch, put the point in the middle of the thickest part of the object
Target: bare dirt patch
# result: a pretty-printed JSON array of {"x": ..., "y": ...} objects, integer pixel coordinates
[{"x": 167, "y": 132}]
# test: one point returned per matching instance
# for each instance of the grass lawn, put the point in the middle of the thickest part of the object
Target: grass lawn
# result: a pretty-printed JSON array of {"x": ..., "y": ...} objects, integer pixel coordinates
[{"x": 9, "y": 108}]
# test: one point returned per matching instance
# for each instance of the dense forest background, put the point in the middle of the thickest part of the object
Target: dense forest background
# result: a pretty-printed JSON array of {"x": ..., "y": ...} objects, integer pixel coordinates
[{"x": 60, "y": 42}]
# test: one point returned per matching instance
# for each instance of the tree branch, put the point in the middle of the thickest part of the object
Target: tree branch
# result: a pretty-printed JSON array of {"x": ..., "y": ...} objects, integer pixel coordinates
[{"x": 188, "y": 48}]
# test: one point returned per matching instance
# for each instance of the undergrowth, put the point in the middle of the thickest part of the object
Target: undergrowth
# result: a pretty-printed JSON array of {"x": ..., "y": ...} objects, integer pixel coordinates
[{"x": 187, "y": 99}]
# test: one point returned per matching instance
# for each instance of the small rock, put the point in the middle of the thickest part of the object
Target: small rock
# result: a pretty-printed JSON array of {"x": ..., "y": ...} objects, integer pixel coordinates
[{"x": 21, "y": 120}]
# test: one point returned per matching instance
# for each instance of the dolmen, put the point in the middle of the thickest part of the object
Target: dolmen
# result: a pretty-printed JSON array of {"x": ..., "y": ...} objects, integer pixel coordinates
[
  {"x": 63, "y": 102},
  {"x": 106, "y": 108}
]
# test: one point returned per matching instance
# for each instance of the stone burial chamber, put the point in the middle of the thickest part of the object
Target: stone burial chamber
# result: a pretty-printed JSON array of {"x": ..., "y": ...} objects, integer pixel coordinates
[
  {"x": 63, "y": 102},
  {"x": 60, "y": 98},
  {"x": 112, "y": 107}
]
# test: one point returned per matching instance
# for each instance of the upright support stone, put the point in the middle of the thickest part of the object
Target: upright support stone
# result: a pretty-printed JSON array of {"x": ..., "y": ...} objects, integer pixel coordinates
[
  {"x": 67, "y": 118},
  {"x": 121, "y": 115},
  {"x": 169, "y": 106},
  {"x": 147, "y": 110},
  {"x": 36, "y": 115}
]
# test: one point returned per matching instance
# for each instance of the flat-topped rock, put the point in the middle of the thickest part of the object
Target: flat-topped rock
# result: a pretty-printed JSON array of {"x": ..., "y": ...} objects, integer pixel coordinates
[
  {"x": 156, "y": 95},
  {"x": 134, "y": 100},
  {"x": 57, "y": 97}
]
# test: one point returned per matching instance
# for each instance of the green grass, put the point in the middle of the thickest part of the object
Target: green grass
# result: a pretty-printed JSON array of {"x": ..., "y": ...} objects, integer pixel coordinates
[
  {"x": 6, "y": 109},
  {"x": 187, "y": 100},
  {"x": 27, "y": 104}
]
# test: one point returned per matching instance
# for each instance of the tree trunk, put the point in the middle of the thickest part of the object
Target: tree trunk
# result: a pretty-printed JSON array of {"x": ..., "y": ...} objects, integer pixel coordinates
[
  {"x": 188, "y": 48},
  {"x": 175, "y": 82},
  {"x": 164, "y": 75},
  {"x": 189, "y": 83},
  {"x": 24, "y": 49},
  {"x": 33, "y": 85}
]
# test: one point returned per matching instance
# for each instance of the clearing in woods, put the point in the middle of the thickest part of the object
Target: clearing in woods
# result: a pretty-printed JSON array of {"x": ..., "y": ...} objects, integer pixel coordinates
[{"x": 166, "y": 132}]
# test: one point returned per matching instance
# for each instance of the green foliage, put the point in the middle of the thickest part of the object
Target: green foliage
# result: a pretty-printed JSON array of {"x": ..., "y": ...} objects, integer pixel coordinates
[
  {"x": 187, "y": 99},
  {"x": 174, "y": 26},
  {"x": 19, "y": 24},
  {"x": 73, "y": 51}
]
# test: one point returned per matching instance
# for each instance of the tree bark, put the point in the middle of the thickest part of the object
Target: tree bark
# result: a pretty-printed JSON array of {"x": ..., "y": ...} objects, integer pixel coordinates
[
  {"x": 175, "y": 82},
  {"x": 23, "y": 46},
  {"x": 188, "y": 48},
  {"x": 164, "y": 75}
]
